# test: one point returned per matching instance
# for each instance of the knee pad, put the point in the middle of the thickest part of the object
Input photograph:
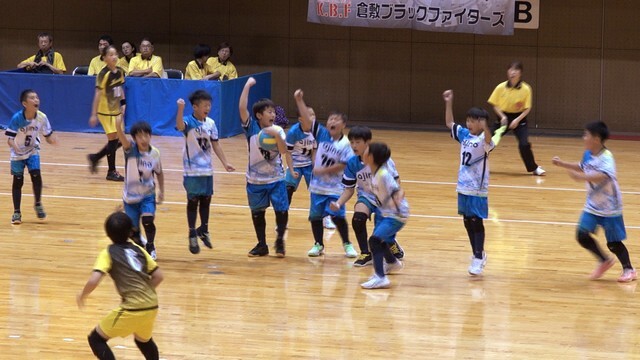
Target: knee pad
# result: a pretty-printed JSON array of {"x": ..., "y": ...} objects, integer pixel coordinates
[
  {"x": 375, "y": 244},
  {"x": 147, "y": 220},
  {"x": 583, "y": 237},
  {"x": 473, "y": 223},
  {"x": 34, "y": 173},
  {"x": 615, "y": 246},
  {"x": 95, "y": 340},
  {"x": 18, "y": 181},
  {"x": 359, "y": 221}
]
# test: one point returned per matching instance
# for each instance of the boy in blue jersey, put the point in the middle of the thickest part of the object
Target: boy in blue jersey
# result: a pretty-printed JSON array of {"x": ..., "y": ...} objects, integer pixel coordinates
[
  {"x": 473, "y": 176},
  {"x": 23, "y": 131},
  {"x": 141, "y": 163},
  {"x": 200, "y": 139},
  {"x": 393, "y": 210},
  {"x": 326, "y": 181},
  {"x": 358, "y": 174},
  {"x": 265, "y": 173},
  {"x": 604, "y": 201}
]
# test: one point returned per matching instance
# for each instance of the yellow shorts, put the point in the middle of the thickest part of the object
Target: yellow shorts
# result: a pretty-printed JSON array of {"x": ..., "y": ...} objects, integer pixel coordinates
[
  {"x": 122, "y": 323},
  {"x": 108, "y": 123}
]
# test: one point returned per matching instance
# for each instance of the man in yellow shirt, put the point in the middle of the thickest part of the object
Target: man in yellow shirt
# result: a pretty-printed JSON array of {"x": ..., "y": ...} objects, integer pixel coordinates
[
  {"x": 46, "y": 60},
  {"x": 146, "y": 64},
  {"x": 97, "y": 63},
  {"x": 220, "y": 66}
]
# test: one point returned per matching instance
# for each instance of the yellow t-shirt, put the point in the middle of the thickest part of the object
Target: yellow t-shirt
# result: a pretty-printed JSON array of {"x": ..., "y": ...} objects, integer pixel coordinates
[
  {"x": 96, "y": 65},
  {"x": 130, "y": 268},
  {"x": 195, "y": 72},
  {"x": 110, "y": 83},
  {"x": 227, "y": 72},
  {"x": 124, "y": 64},
  {"x": 58, "y": 61},
  {"x": 511, "y": 99},
  {"x": 155, "y": 63}
]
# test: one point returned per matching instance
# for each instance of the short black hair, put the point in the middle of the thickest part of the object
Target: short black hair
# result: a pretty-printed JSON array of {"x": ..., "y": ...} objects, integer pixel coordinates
[
  {"x": 199, "y": 95},
  {"x": 47, "y": 35},
  {"x": 140, "y": 127},
  {"x": 201, "y": 50},
  {"x": 262, "y": 104},
  {"x": 478, "y": 113},
  {"x": 146, "y": 39},
  {"x": 360, "y": 132},
  {"x": 106, "y": 38},
  {"x": 517, "y": 64},
  {"x": 118, "y": 227},
  {"x": 599, "y": 129},
  {"x": 24, "y": 94},
  {"x": 223, "y": 45},
  {"x": 106, "y": 49},
  {"x": 339, "y": 114},
  {"x": 380, "y": 152}
]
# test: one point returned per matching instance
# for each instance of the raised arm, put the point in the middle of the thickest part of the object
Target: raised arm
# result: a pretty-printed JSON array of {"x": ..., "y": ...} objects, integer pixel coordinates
[
  {"x": 180, "y": 115},
  {"x": 305, "y": 119},
  {"x": 486, "y": 130},
  {"x": 126, "y": 144},
  {"x": 448, "y": 110},
  {"x": 244, "y": 100}
]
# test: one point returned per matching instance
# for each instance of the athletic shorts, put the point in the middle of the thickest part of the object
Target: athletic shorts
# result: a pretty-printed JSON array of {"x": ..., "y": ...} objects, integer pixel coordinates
[
  {"x": 471, "y": 206},
  {"x": 305, "y": 172},
  {"x": 122, "y": 323},
  {"x": 31, "y": 163},
  {"x": 198, "y": 186},
  {"x": 319, "y": 207},
  {"x": 613, "y": 226},
  {"x": 387, "y": 228},
  {"x": 146, "y": 206},
  {"x": 108, "y": 123},
  {"x": 260, "y": 196}
]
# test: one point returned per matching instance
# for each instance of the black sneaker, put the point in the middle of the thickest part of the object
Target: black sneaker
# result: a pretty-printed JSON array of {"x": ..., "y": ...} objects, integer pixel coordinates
[
  {"x": 93, "y": 163},
  {"x": 115, "y": 176},
  {"x": 193, "y": 245},
  {"x": 397, "y": 250},
  {"x": 259, "y": 250},
  {"x": 363, "y": 260},
  {"x": 205, "y": 237},
  {"x": 279, "y": 248}
]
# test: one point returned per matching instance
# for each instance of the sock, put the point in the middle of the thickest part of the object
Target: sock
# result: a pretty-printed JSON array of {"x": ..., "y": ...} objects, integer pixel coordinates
[
  {"x": 359, "y": 225},
  {"x": 589, "y": 243},
  {"x": 478, "y": 237},
  {"x": 621, "y": 252},
  {"x": 16, "y": 191},
  {"x": 36, "y": 182},
  {"x": 112, "y": 146},
  {"x": 343, "y": 228},
  {"x": 469, "y": 227},
  {"x": 375, "y": 244},
  {"x": 205, "y": 208},
  {"x": 282, "y": 218},
  {"x": 290, "y": 191},
  {"x": 192, "y": 215},
  {"x": 318, "y": 231},
  {"x": 149, "y": 349},
  {"x": 149, "y": 228},
  {"x": 260, "y": 225},
  {"x": 99, "y": 346}
]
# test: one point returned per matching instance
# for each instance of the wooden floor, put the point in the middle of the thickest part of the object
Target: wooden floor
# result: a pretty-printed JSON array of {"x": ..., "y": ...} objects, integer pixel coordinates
[{"x": 534, "y": 301}]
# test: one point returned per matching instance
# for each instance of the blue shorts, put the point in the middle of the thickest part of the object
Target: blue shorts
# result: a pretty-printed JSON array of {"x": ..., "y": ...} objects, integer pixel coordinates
[
  {"x": 471, "y": 206},
  {"x": 32, "y": 163},
  {"x": 387, "y": 228},
  {"x": 613, "y": 226},
  {"x": 260, "y": 196},
  {"x": 198, "y": 186},
  {"x": 366, "y": 202},
  {"x": 146, "y": 206},
  {"x": 304, "y": 171},
  {"x": 319, "y": 207}
]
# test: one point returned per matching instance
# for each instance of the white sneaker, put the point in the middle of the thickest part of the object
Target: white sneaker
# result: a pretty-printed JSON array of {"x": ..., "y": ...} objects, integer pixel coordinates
[
  {"x": 316, "y": 250},
  {"x": 376, "y": 282},
  {"x": 393, "y": 267},
  {"x": 476, "y": 268},
  {"x": 350, "y": 251},
  {"x": 539, "y": 171},
  {"x": 328, "y": 224}
]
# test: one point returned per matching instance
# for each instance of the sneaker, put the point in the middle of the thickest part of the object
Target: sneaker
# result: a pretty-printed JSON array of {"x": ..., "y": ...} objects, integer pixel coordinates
[
  {"x": 628, "y": 275},
  {"x": 279, "y": 245},
  {"x": 115, "y": 176},
  {"x": 602, "y": 268},
  {"x": 393, "y": 267},
  {"x": 539, "y": 171},
  {"x": 259, "y": 250},
  {"x": 476, "y": 268},
  {"x": 40, "y": 212},
  {"x": 205, "y": 237},
  {"x": 151, "y": 249},
  {"x": 193, "y": 245},
  {"x": 316, "y": 250},
  {"x": 397, "y": 251},
  {"x": 328, "y": 223},
  {"x": 16, "y": 218},
  {"x": 93, "y": 163},
  {"x": 363, "y": 260},
  {"x": 376, "y": 282},
  {"x": 349, "y": 251}
]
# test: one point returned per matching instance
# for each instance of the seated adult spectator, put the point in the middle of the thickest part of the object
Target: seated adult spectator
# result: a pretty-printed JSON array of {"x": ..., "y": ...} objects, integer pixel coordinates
[
  {"x": 97, "y": 63},
  {"x": 129, "y": 51},
  {"x": 46, "y": 60},
  {"x": 197, "y": 69},
  {"x": 146, "y": 64},
  {"x": 220, "y": 66}
]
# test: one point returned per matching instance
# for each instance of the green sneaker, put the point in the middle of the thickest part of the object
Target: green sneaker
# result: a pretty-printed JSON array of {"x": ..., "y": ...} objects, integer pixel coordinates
[
  {"x": 16, "y": 218},
  {"x": 349, "y": 250},
  {"x": 316, "y": 250},
  {"x": 40, "y": 212}
]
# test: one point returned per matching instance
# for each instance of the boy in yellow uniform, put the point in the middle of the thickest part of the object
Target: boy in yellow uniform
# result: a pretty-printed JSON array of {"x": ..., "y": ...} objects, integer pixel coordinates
[{"x": 136, "y": 276}]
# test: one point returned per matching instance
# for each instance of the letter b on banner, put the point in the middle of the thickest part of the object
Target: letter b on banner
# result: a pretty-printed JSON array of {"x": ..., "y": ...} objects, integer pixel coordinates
[{"x": 527, "y": 14}]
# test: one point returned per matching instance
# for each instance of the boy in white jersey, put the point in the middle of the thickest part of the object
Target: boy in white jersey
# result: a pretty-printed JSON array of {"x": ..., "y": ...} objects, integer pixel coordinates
[
  {"x": 141, "y": 163},
  {"x": 393, "y": 211},
  {"x": 325, "y": 187},
  {"x": 23, "y": 131},
  {"x": 200, "y": 139},
  {"x": 358, "y": 174},
  {"x": 604, "y": 201},
  {"x": 265, "y": 173},
  {"x": 473, "y": 176}
]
